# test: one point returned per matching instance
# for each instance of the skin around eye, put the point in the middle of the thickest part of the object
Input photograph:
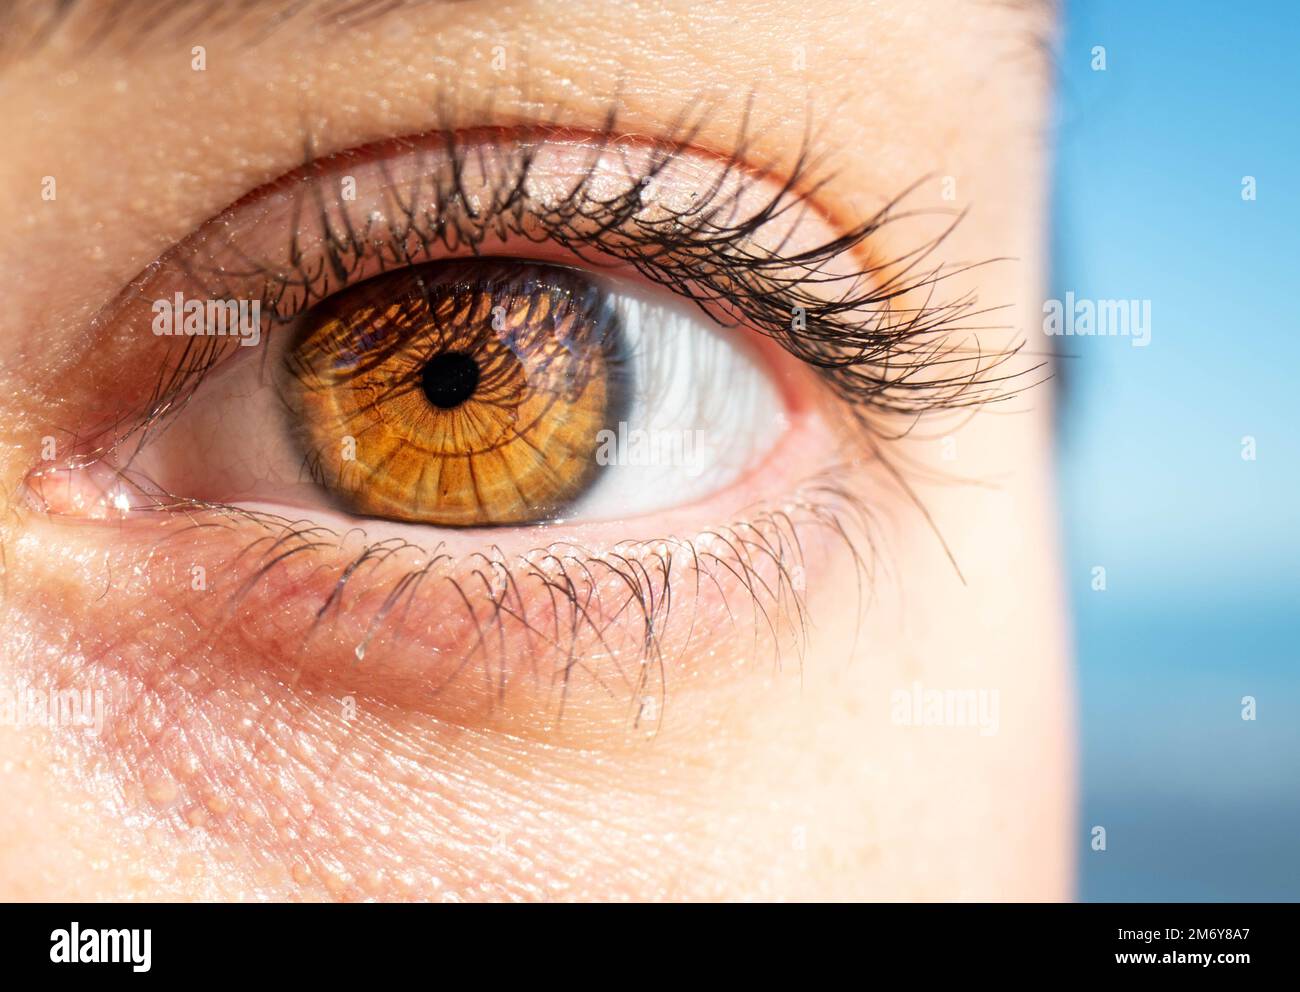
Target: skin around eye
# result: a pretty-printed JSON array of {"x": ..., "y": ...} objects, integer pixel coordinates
[
  {"x": 392, "y": 583},
  {"x": 594, "y": 586}
]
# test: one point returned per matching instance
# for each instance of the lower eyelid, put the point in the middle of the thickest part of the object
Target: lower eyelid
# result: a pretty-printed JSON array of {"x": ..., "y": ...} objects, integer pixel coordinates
[
  {"x": 481, "y": 624},
  {"x": 516, "y": 639},
  {"x": 229, "y": 721}
]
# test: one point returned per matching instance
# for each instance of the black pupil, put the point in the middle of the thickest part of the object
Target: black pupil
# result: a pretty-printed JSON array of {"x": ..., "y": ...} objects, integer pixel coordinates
[{"x": 449, "y": 379}]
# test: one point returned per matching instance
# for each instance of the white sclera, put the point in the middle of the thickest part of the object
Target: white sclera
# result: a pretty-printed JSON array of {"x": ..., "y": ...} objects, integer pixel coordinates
[{"x": 700, "y": 411}]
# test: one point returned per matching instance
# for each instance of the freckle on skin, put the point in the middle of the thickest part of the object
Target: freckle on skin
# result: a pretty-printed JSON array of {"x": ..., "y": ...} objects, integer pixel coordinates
[{"x": 196, "y": 817}]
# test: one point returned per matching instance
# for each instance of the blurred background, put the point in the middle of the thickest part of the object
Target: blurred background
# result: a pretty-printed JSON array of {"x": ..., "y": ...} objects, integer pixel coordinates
[{"x": 1200, "y": 546}]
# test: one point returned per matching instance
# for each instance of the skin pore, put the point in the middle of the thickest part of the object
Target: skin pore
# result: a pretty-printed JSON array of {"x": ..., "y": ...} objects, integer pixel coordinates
[{"x": 782, "y": 762}]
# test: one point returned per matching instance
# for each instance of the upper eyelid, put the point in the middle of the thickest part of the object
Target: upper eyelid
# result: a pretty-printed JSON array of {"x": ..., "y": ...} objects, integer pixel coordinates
[
  {"x": 125, "y": 316},
  {"x": 881, "y": 346},
  {"x": 846, "y": 336},
  {"x": 507, "y": 159}
]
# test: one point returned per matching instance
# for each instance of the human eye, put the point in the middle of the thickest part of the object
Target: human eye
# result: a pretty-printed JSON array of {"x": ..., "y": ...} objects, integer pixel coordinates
[
  {"x": 576, "y": 373},
  {"x": 487, "y": 392}
]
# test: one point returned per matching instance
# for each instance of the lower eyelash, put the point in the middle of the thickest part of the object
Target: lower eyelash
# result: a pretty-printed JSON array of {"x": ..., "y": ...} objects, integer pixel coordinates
[{"x": 623, "y": 606}]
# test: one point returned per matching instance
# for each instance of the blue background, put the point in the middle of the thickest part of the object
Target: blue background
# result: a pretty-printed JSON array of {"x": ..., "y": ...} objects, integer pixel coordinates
[{"x": 1201, "y": 548}]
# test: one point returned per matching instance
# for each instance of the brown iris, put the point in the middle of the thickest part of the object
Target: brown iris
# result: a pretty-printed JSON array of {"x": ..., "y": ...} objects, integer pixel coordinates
[{"x": 458, "y": 393}]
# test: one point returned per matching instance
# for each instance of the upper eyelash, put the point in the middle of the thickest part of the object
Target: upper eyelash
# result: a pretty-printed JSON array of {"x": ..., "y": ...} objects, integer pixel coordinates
[{"x": 875, "y": 352}]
